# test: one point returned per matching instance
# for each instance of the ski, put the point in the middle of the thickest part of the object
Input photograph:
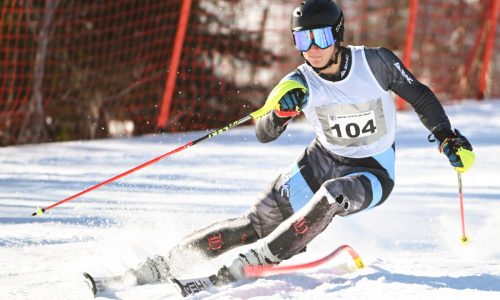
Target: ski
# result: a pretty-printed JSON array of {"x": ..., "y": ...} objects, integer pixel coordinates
[
  {"x": 267, "y": 270},
  {"x": 192, "y": 286},
  {"x": 99, "y": 285},
  {"x": 89, "y": 280}
]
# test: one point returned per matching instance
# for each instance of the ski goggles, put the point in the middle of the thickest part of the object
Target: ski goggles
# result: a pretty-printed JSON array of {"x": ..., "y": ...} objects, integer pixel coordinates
[{"x": 321, "y": 37}]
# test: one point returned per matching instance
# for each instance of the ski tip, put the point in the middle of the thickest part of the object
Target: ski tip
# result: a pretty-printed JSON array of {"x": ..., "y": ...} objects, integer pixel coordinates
[
  {"x": 359, "y": 263},
  {"x": 91, "y": 283}
]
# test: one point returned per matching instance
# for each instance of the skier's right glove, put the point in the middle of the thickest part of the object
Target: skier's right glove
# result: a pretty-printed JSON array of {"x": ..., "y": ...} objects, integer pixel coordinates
[
  {"x": 456, "y": 147},
  {"x": 290, "y": 104}
]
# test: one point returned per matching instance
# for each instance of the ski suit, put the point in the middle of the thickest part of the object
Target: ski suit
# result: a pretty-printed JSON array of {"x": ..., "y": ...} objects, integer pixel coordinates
[{"x": 348, "y": 167}]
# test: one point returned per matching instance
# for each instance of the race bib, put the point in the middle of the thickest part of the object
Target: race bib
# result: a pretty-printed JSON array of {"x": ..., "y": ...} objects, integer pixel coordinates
[{"x": 353, "y": 124}]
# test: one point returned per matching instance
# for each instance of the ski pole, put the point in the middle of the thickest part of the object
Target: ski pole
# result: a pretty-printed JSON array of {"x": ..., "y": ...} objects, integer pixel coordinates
[
  {"x": 272, "y": 100},
  {"x": 464, "y": 238}
]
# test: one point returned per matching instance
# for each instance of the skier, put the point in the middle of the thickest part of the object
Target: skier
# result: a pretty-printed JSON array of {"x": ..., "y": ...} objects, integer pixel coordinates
[{"x": 348, "y": 168}]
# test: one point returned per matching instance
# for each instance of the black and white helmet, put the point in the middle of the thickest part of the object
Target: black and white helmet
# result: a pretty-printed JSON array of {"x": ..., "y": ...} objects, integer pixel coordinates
[{"x": 319, "y": 13}]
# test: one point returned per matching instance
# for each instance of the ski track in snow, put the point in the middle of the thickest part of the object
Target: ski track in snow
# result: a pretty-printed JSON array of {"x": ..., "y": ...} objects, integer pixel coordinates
[{"x": 410, "y": 244}]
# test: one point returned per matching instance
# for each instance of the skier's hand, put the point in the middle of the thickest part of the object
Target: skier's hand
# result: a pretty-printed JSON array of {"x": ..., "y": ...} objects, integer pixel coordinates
[
  {"x": 456, "y": 147},
  {"x": 290, "y": 104}
]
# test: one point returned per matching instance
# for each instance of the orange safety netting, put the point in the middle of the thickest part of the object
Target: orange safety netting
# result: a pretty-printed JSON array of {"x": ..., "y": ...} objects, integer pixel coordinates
[{"x": 91, "y": 69}]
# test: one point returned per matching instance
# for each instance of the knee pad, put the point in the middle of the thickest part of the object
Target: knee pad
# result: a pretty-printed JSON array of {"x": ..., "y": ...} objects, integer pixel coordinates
[{"x": 340, "y": 200}]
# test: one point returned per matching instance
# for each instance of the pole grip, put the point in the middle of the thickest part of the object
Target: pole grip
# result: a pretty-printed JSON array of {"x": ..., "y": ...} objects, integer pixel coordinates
[{"x": 275, "y": 96}]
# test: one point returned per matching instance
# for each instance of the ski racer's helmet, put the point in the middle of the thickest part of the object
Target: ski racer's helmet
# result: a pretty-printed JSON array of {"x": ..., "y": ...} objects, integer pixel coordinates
[{"x": 312, "y": 14}]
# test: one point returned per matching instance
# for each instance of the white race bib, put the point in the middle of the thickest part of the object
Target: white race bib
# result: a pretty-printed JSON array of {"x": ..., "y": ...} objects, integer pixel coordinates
[
  {"x": 352, "y": 124},
  {"x": 355, "y": 125}
]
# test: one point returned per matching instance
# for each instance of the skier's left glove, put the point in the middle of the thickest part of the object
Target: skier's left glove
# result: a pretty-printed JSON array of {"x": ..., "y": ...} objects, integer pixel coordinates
[{"x": 455, "y": 146}]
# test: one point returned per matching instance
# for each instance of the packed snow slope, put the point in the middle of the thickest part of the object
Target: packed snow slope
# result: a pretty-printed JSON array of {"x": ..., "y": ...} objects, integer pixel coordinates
[{"x": 410, "y": 244}]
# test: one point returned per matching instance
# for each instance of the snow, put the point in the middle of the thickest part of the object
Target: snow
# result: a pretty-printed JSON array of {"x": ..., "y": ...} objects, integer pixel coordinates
[{"x": 410, "y": 244}]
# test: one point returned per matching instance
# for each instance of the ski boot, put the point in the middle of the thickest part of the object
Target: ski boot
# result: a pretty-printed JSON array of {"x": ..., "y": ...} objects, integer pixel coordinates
[{"x": 153, "y": 270}]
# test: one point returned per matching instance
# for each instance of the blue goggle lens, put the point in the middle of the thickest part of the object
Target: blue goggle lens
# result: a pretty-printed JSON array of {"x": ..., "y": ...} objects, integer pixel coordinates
[{"x": 321, "y": 37}]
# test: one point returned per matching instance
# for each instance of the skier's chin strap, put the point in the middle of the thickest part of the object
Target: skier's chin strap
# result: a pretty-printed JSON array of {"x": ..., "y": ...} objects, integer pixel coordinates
[
  {"x": 328, "y": 64},
  {"x": 318, "y": 70}
]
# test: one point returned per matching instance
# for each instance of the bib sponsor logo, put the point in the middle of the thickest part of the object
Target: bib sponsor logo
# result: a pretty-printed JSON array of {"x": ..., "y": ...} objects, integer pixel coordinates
[{"x": 346, "y": 65}]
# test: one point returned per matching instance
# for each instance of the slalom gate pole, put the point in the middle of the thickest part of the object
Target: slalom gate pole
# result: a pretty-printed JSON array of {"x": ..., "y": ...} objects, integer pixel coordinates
[
  {"x": 276, "y": 94},
  {"x": 464, "y": 238}
]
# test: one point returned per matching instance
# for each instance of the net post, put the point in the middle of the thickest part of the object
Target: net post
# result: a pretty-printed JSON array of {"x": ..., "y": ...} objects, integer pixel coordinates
[{"x": 174, "y": 64}]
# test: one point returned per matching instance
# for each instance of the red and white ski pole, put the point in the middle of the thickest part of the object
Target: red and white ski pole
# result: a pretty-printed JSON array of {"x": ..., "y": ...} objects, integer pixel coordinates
[{"x": 272, "y": 100}]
